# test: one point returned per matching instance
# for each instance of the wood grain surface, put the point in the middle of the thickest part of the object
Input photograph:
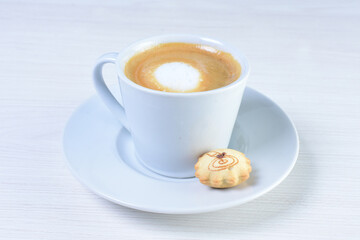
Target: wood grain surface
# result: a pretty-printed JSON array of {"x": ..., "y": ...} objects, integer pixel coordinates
[{"x": 304, "y": 54}]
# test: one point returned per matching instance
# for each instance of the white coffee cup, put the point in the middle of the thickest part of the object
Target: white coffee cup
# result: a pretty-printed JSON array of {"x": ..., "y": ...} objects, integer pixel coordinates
[{"x": 171, "y": 130}]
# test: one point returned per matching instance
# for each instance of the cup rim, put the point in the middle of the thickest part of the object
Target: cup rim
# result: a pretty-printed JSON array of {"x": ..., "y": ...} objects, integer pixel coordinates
[{"x": 123, "y": 57}]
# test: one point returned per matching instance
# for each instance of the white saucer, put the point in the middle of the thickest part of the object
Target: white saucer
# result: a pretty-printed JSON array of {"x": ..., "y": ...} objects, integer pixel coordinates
[{"x": 100, "y": 154}]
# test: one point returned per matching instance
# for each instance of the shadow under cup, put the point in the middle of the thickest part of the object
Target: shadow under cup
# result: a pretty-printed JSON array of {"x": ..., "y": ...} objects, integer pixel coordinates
[{"x": 171, "y": 130}]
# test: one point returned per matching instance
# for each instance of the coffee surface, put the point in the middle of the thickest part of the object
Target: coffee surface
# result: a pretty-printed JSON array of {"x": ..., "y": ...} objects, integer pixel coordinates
[{"x": 182, "y": 67}]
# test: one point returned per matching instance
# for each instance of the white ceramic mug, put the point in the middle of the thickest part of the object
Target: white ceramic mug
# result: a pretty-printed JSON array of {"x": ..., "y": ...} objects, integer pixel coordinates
[{"x": 171, "y": 130}]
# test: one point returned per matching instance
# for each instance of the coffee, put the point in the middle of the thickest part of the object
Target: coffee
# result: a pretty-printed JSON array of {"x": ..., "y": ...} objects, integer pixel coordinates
[{"x": 182, "y": 67}]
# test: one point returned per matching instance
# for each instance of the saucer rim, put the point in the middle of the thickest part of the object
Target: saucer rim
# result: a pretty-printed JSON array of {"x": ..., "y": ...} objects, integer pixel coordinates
[{"x": 196, "y": 210}]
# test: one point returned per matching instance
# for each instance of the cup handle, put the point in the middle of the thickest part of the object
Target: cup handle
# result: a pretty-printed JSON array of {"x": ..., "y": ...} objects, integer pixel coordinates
[{"x": 104, "y": 92}]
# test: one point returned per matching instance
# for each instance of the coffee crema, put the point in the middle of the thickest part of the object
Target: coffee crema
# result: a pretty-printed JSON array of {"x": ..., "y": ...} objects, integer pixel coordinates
[{"x": 182, "y": 67}]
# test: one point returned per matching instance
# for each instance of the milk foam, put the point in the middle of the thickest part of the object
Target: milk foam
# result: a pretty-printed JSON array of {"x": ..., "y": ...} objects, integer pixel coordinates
[{"x": 178, "y": 76}]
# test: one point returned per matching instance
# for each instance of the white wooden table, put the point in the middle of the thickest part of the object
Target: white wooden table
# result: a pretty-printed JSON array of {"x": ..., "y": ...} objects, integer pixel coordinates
[{"x": 304, "y": 55}]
